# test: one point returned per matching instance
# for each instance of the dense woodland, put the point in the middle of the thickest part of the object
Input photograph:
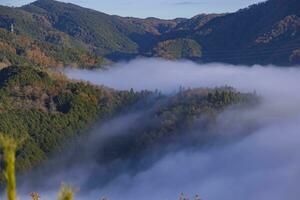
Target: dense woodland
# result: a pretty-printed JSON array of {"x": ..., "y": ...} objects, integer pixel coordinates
[
  {"x": 47, "y": 110},
  {"x": 53, "y": 33},
  {"x": 184, "y": 118},
  {"x": 22, "y": 50}
]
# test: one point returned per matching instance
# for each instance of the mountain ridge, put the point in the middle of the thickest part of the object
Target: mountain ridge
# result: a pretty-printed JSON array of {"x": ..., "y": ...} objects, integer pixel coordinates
[{"x": 243, "y": 37}]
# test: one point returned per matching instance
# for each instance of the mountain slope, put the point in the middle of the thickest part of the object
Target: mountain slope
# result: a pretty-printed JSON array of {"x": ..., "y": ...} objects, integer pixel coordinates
[
  {"x": 18, "y": 49},
  {"x": 265, "y": 33},
  {"x": 172, "y": 119},
  {"x": 48, "y": 111},
  {"x": 34, "y": 37},
  {"x": 91, "y": 27},
  {"x": 104, "y": 33}
]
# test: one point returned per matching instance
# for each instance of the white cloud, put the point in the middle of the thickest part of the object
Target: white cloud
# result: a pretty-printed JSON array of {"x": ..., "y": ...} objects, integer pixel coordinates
[{"x": 262, "y": 166}]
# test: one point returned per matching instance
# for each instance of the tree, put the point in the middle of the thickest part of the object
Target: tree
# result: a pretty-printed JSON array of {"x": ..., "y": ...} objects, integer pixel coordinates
[
  {"x": 9, "y": 147},
  {"x": 35, "y": 196},
  {"x": 66, "y": 192}
]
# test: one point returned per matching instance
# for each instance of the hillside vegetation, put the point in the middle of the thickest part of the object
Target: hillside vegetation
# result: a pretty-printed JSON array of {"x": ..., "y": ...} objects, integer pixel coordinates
[
  {"x": 22, "y": 50},
  {"x": 179, "y": 48},
  {"x": 265, "y": 33},
  {"x": 175, "y": 119},
  {"x": 48, "y": 110},
  {"x": 65, "y": 34}
]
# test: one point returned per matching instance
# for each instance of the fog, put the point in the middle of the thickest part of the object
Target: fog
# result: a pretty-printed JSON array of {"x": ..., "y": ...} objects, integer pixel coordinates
[{"x": 262, "y": 165}]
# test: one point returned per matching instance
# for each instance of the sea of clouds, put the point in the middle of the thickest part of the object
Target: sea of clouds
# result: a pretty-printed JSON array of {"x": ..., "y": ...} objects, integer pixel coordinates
[{"x": 264, "y": 165}]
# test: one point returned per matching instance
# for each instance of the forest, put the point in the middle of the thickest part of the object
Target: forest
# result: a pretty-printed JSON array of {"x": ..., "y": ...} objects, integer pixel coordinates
[
  {"x": 95, "y": 104},
  {"x": 53, "y": 33},
  {"x": 46, "y": 111}
]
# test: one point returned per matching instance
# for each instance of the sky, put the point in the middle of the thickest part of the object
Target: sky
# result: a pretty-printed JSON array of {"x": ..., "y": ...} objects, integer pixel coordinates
[{"x": 166, "y": 9}]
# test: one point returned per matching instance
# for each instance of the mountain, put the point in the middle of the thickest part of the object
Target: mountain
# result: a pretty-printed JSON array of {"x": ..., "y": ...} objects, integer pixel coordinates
[
  {"x": 269, "y": 33},
  {"x": 47, "y": 110},
  {"x": 173, "y": 119},
  {"x": 94, "y": 28},
  {"x": 35, "y": 41},
  {"x": 264, "y": 33},
  {"x": 105, "y": 34}
]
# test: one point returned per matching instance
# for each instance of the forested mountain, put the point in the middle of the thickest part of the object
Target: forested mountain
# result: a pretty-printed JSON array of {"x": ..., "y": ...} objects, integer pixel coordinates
[
  {"x": 187, "y": 117},
  {"x": 34, "y": 41},
  {"x": 266, "y": 33},
  {"x": 46, "y": 110}
]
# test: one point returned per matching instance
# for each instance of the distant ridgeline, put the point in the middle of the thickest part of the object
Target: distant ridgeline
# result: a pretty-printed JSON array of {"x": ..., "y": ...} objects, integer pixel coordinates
[{"x": 52, "y": 33}]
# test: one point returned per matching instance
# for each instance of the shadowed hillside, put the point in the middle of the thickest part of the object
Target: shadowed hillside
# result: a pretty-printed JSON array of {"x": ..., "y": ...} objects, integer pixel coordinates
[{"x": 266, "y": 33}]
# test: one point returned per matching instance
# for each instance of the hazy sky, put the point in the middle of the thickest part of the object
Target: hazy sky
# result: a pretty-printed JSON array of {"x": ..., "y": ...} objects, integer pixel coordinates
[{"x": 154, "y": 8}]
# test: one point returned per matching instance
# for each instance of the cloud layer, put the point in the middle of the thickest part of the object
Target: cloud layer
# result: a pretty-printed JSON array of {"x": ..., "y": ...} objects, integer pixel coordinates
[{"x": 264, "y": 165}]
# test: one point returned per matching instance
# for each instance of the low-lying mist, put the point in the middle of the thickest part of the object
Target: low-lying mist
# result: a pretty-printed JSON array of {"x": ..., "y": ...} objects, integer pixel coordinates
[{"x": 262, "y": 165}]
